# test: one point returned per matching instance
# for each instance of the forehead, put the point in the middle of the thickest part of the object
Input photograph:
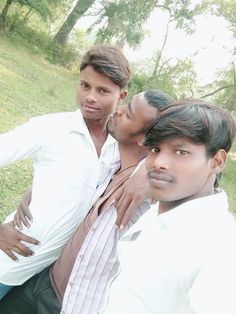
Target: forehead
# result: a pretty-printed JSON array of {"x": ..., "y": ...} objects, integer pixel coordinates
[
  {"x": 140, "y": 108},
  {"x": 93, "y": 77},
  {"x": 182, "y": 142}
]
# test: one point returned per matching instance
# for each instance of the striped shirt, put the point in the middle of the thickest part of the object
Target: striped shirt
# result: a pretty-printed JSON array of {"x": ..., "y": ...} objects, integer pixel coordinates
[{"x": 96, "y": 263}]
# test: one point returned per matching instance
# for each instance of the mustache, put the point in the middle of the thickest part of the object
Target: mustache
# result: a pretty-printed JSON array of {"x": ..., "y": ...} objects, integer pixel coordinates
[{"x": 160, "y": 175}]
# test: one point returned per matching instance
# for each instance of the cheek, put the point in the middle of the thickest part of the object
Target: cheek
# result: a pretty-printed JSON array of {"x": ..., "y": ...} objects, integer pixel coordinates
[
  {"x": 148, "y": 162},
  {"x": 199, "y": 171},
  {"x": 109, "y": 104}
]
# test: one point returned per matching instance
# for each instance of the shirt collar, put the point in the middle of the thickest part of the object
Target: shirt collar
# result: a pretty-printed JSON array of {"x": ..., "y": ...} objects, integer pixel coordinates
[
  {"x": 77, "y": 124},
  {"x": 203, "y": 210}
]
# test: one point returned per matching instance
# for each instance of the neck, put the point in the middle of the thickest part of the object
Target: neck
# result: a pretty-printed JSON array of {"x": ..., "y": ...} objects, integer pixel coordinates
[
  {"x": 97, "y": 127},
  {"x": 131, "y": 155},
  {"x": 166, "y": 206},
  {"x": 98, "y": 132}
]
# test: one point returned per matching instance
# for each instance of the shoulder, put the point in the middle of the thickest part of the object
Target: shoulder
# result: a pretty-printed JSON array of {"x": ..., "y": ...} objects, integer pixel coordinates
[{"x": 53, "y": 117}]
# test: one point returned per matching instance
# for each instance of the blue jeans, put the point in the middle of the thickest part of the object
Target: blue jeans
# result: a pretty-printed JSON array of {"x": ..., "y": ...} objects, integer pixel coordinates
[{"x": 4, "y": 289}]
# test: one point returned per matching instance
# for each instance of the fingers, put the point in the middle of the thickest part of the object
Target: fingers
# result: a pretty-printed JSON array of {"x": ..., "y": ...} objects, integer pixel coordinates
[
  {"x": 10, "y": 254},
  {"x": 20, "y": 218},
  {"x": 23, "y": 250},
  {"x": 127, "y": 215},
  {"x": 17, "y": 221},
  {"x": 29, "y": 215},
  {"x": 121, "y": 210},
  {"x": 25, "y": 238}
]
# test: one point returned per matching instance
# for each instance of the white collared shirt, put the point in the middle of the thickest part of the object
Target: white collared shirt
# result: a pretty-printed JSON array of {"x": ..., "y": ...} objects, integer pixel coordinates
[
  {"x": 67, "y": 171},
  {"x": 180, "y": 262}
]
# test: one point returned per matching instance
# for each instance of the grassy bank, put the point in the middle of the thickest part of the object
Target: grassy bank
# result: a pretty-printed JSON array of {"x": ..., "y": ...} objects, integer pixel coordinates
[{"x": 30, "y": 86}]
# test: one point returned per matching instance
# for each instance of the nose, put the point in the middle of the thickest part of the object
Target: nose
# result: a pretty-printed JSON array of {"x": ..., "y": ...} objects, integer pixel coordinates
[
  {"x": 91, "y": 96},
  {"x": 160, "y": 161}
]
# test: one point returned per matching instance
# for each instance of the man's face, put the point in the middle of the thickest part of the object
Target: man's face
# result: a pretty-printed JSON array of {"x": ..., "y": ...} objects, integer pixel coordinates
[
  {"x": 97, "y": 95},
  {"x": 178, "y": 170},
  {"x": 128, "y": 121}
]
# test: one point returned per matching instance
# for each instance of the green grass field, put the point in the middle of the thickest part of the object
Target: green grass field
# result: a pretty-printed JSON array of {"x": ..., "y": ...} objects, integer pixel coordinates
[{"x": 30, "y": 86}]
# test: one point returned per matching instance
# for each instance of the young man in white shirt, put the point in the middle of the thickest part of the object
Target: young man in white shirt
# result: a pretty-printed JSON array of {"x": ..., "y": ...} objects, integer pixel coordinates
[
  {"x": 88, "y": 262},
  {"x": 180, "y": 256},
  {"x": 72, "y": 154}
]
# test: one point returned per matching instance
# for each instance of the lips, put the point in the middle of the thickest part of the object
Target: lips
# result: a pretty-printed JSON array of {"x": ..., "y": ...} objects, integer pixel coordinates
[
  {"x": 159, "y": 179},
  {"x": 89, "y": 108}
]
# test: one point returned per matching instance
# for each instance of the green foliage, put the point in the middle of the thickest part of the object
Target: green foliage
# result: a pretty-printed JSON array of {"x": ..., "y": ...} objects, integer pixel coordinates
[
  {"x": 41, "y": 43},
  {"x": 227, "y": 9},
  {"x": 228, "y": 180},
  {"x": 172, "y": 76},
  {"x": 124, "y": 21},
  {"x": 223, "y": 90},
  {"x": 40, "y": 7}
]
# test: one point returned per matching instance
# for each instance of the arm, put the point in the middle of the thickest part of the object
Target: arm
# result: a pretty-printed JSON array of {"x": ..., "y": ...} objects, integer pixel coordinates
[
  {"x": 21, "y": 143},
  {"x": 133, "y": 193}
]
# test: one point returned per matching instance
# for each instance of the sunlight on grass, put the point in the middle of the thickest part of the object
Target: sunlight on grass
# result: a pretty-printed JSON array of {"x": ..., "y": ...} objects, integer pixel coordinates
[{"x": 29, "y": 86}]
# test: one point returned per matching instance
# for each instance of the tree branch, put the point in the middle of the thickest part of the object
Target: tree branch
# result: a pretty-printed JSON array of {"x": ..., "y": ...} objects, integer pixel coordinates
[{"x": 218, "y": 89}]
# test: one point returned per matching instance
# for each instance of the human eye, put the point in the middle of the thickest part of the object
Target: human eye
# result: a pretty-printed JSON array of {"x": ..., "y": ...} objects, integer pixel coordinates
[
  {"x": 103, "y": 91},
  {"x": 84, "y": 84},
  {"x": 154, "y": 150},
  {"x": 182, "y": 152}
]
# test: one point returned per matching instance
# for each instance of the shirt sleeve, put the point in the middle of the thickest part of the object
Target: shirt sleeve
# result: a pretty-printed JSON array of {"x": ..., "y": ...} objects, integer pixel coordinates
[
  {"x": 213, "y": 290},
  {"x": 23, "y": 142}
]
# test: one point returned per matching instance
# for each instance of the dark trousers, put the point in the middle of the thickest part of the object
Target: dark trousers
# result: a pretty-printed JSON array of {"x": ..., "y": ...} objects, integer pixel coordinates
[{"x": 35, "y": 296}]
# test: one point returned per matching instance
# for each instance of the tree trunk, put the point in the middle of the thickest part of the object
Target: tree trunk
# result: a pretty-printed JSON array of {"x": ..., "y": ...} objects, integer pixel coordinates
[
  {"x": 79, "y": 9},
  {"x": 4, "y": 13}
]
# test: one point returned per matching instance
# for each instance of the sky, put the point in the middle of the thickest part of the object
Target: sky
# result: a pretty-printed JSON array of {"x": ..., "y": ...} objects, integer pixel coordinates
[{"x": 212, "y": 40}]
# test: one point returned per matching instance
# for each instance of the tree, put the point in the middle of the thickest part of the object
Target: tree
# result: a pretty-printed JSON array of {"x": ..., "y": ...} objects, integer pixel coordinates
[
  {"x": 124, "y": 20},
  {"x": 79, "y": 10},
  {"x": 42, "y": 8},
  {"x": 4, "y": 12},
  {"x": 223, "y": 89}
]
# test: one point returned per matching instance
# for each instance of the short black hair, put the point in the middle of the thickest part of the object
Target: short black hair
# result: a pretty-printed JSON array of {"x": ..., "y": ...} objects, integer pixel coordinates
[
  {"x": 158, "y": 100},
  {"x": 197, "y": 120}
]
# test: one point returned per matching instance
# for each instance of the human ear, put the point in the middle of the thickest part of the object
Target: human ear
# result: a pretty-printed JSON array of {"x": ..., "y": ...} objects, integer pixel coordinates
[
  {"x": 123, "y": 94},
  {"x": 218, "y": 161}
]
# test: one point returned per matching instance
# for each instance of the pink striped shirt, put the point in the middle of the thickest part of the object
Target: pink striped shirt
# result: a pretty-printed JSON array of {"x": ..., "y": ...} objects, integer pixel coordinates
[{"x": 96, "y": 264}]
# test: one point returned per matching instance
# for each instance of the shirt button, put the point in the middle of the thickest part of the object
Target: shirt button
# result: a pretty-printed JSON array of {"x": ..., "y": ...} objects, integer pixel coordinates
[{"x": 71, "y": 283}]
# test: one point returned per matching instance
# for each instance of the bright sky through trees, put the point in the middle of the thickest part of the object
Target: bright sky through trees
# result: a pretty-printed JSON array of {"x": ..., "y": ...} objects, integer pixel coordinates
[{"x": 212, "y": 39}]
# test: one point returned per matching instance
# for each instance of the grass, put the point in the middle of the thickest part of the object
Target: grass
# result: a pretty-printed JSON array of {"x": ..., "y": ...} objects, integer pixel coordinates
[{"x": 30, "y": 86}]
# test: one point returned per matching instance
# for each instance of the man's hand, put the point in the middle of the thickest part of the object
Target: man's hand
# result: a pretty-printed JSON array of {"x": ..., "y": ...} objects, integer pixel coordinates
[
  {"x": 133, "y": 193},
  {"x": 23, "y": 214},
  {"x": 10, "y": 241}
]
